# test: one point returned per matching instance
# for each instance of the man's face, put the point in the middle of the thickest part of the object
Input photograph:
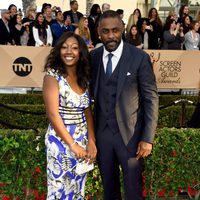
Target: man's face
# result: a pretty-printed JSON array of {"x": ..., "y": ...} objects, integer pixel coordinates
[
  {"x": 74, "y": 6},
  {"x": 59, "y": 17},
  {"x": 48, "y": 12},
  {"x": 110, "y": 31}
]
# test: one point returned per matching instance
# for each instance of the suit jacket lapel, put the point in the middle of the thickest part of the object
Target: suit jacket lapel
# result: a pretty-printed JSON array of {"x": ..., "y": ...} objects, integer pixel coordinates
[{"x": 124, "y": 65}]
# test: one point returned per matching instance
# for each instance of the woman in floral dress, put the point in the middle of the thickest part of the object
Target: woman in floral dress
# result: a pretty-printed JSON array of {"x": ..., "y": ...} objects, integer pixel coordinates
[{"x": 70, "y": 134}]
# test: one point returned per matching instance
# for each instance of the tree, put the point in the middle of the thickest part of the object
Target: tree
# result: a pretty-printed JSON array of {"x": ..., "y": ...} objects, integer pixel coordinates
[
  {"x": 88, "y": 6},
  {"x": 146, "y": 7},
  {"x": 26, "y": 3}
]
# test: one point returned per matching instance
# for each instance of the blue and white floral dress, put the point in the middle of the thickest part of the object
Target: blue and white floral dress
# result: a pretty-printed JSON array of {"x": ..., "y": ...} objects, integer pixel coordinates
[{"x": 63, "y": 182}]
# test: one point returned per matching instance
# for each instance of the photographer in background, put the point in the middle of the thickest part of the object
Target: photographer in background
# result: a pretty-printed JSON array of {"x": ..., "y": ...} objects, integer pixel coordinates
[
  {"x": 60, "y": 26},
  {"x": 173, "y": 36},
  {"x": 145, "y": 30}
]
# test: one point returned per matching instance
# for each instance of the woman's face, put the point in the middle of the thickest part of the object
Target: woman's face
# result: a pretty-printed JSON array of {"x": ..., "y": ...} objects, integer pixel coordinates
[
  {"x": 98, "y": 10},
  {"x": 196, "y": 27},
  {"x": 173, "y": 16},
  {"x": 69, "y": 52},
  {"x": 40, "y": 19},
  {"x": 153, "y": 13},
  {"x": 187, "y": 20},
  {"x": 31, "y": 13},
  {"x": 19, "y": 19},
  {"x": 134, "y": 31},
  {"x": 85, "y": 23},
  {"x": 186, "y": 10},
  {"x": 136, "y": 12},
  {"x": 13, "y": 10},
  {"x": 144, "y": 24},
  {"x": 173, "y": 25}
]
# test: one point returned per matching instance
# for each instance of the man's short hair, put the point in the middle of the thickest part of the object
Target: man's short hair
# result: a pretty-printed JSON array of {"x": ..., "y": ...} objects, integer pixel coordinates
[
  {"x": 72, "y": 2},
  {"x": 109, "y": 14},
  {"x": 3, "y": 11},
  {"x": 57, "y": 11},
  {"x": 45, "y": 5},
  {"x": 120, "y": 11}
]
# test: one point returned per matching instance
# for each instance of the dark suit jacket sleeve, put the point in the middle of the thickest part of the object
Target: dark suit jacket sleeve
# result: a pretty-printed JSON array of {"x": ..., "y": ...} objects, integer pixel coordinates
[
  {"x": 5, "y": 36},
  {"x": 79, "y": 15},
  {"x": 94, "y": 68},
  {"x": 67, "y": 13},
  {"x": 149, "y": 99}
]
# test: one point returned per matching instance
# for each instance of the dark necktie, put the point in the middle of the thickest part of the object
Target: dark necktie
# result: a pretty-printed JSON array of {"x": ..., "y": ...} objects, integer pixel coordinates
[{"x": 109, "y": 65}]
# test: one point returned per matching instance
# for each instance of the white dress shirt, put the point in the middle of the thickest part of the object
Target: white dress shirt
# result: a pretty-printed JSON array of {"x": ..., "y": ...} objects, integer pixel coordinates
[{"x": 116, "y": 56}]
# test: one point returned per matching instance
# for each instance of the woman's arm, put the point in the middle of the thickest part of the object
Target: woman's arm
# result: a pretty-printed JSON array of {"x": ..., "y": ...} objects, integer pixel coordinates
[
  {"x": 51, "y": 100},
  {"x": 168, "y": 37},
  {"x": 91, "y": 148},
  {"x": 49, "y": 36},
  {"x": 38, "y": 42},
  {"x": 76, "y": 31}
]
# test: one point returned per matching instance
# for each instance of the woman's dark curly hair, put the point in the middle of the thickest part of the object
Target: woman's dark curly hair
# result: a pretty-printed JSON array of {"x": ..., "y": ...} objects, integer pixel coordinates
[
  {"x": 168, "y": 24},
  {"x": 54, "y": 61},
  {"x": 157, "y": 19},
  {"x": 181, "y": 14},
  {"x": 93, "y": 10},
  {"x": 130, "y": 32},
  {"x": 36, "y": 23}
]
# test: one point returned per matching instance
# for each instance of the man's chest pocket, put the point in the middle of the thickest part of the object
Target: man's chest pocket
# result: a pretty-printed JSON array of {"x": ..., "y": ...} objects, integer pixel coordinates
[
  {"x": 131, "y": 79},
  {"x": 130, "y": 85}
]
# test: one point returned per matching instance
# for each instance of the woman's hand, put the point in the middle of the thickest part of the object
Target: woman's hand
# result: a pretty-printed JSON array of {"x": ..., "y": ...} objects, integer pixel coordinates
[
  {"x": 91, "y": 151},
  {"x": 26, "y": 24},
  {"x": 79, "y": 151}
]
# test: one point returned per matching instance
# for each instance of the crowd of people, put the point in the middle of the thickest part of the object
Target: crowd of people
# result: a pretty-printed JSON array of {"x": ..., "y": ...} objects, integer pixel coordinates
[{"x": 45, "y": 27}]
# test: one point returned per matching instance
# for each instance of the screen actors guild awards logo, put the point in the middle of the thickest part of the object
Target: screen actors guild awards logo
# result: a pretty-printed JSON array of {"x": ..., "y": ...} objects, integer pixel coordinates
[
  {"x": 22, "y": 66},
  {"x": 154, "y": 58}
]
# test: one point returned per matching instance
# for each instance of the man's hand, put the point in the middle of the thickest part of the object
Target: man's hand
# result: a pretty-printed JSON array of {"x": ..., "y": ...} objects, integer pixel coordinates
[{"x": 144, "y": 149}]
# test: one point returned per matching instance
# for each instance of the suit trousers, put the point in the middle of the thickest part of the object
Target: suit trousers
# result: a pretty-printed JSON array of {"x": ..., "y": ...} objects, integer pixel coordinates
[{"x": 112, "y": 153}]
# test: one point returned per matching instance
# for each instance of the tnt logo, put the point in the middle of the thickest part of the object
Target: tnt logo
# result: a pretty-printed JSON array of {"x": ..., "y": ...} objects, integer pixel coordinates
[{"x": 22, "y": 66}]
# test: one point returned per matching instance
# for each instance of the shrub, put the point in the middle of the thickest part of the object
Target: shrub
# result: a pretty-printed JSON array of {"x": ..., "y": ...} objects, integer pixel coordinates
[
  {"x": 21, "y": 99},
  {"x": 174, "y": 164}
]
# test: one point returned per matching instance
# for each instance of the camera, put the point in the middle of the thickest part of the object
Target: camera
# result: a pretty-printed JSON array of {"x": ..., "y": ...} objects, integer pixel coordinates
[{"x": 148, "y": 27}]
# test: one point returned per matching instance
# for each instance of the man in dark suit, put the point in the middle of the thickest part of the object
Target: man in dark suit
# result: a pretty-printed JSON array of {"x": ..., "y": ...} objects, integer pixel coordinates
[
  {"x": 73, "y": 14},
  {"x": 5, "y": 30},
  {"x": 126, "y": 109}
]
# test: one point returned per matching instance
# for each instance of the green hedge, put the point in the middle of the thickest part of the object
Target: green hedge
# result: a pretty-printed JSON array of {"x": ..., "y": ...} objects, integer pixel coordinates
[
  {"x": 174, "y": 164},
  {"x": 37, "y": 99},
  {"x": 171, "y": 116},
  {"x": 168, "y": 117},
  {"x": 167, "y": 99},
  {"x": 23, "y": 119},
  {"x": 21, "y": 99}
]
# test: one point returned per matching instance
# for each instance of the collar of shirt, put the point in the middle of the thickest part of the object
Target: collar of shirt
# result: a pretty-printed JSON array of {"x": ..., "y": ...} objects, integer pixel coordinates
[{"x": 116, "y": 56}]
